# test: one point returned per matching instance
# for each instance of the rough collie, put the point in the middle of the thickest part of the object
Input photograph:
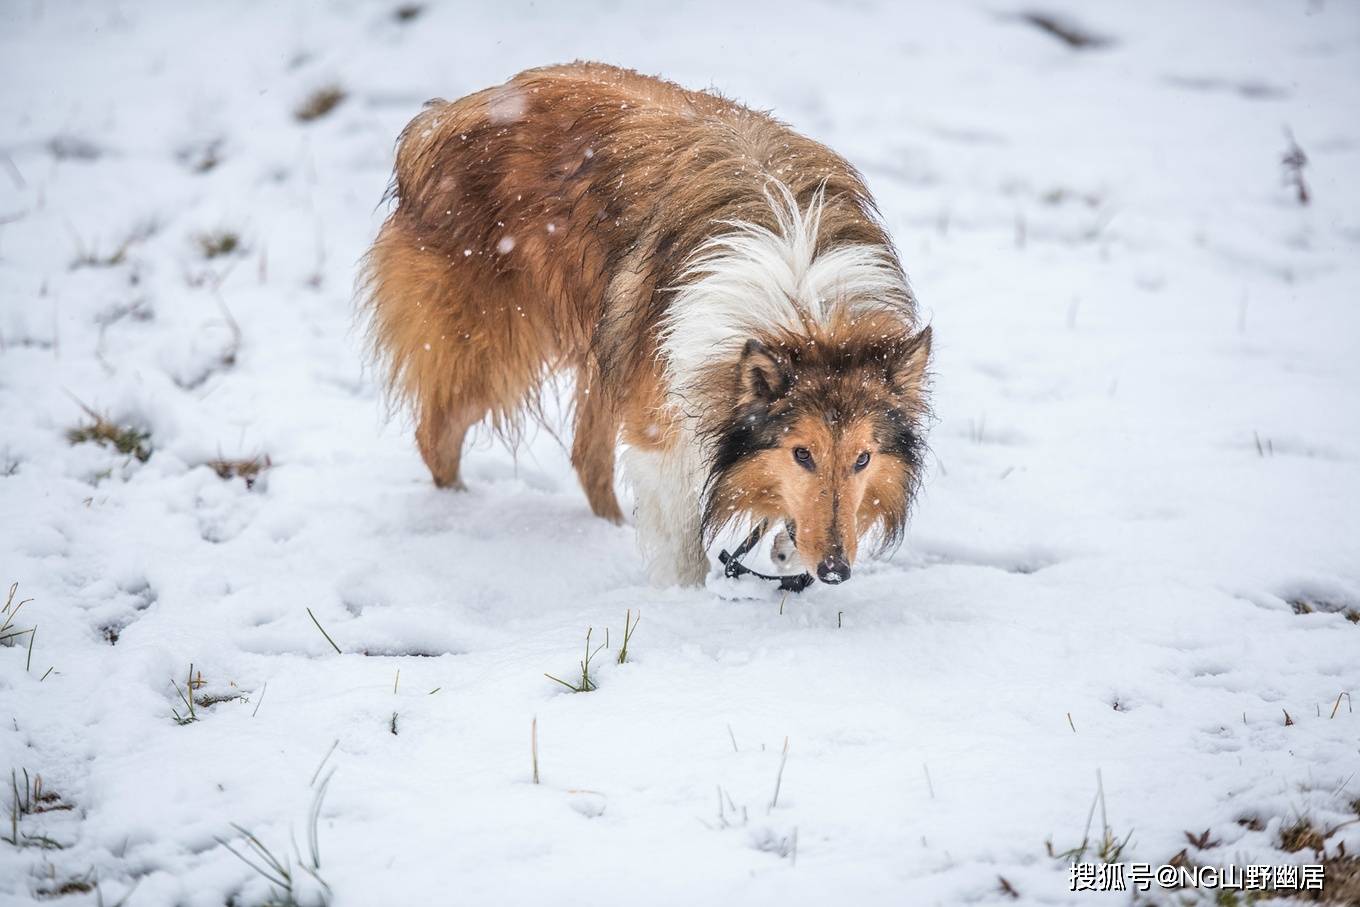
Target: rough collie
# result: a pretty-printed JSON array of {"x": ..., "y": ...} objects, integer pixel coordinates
[{"x": 721, "y": 287}]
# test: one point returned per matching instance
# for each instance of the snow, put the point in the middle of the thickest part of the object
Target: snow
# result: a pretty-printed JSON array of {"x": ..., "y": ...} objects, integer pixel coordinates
[{"x": 1146, "y": 448}]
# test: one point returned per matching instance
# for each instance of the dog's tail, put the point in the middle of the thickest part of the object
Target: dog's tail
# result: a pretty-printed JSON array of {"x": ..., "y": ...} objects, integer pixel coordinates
[{"x": 443, "y": 319}]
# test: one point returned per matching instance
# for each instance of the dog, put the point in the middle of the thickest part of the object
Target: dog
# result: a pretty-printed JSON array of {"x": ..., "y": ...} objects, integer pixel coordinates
[{"x": 721, "y": 287}]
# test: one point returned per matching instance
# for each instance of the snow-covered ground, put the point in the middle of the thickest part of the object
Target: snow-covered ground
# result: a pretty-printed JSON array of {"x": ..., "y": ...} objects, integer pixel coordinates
[{"x": 1146, "y": 459}]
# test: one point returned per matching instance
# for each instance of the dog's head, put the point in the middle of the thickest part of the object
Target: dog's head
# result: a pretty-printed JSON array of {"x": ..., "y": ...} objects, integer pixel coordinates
[{"x": 825, "y": 434}]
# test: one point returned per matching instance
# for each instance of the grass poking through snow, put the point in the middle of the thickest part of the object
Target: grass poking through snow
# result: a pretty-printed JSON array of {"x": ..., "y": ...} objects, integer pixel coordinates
[
  {"x": 628, "y": 629},
  {"x": 186, "y": 696},
  {"x": 1302, "y": 605},
  {"x": 587, "y": 683},
  {"x": 533, "y": 745},
  {"x": 249, "y": 469},
  {"x": 1301, "y": 835},
  {"x": 779, "y": 777},
  {"x": 1292, "y": 164},
  {"x": 323, "y": 632},
  {"x": 1108, "y": 848},
  {"x": 217, "y": 243},
  {"x": 91, "y": 257},
  {"x": 9, "y": 634},
  {"x": 319, "y": 103},
  {"x": 100, "y": 429},
  {"x": 1068, "y": 31},
  {"x": 33, "y": 800},
  {"x": 284, "y": 884},
  {"x": 1341, "y": 871}
]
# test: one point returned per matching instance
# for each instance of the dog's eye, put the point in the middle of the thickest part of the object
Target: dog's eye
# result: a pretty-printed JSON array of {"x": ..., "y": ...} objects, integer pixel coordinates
[
  {"x": 803, "y": 456},
  {"x": 862, "y": 461}
]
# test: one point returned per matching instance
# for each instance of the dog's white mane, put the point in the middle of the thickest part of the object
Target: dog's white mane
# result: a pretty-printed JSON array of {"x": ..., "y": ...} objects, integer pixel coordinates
[{"x": 751, "y": 279}]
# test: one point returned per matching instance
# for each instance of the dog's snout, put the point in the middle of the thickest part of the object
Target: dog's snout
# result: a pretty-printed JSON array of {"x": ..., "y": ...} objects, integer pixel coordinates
[{"x": 833, "y": 569}]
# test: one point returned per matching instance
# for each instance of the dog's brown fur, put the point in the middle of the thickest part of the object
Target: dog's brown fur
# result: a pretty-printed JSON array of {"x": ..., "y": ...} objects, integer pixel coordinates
[{"x": 542, "y": 225}]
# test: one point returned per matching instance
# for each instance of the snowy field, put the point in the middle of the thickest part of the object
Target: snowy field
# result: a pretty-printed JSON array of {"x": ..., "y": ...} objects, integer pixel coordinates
[{"x": 1136, "y": 557}]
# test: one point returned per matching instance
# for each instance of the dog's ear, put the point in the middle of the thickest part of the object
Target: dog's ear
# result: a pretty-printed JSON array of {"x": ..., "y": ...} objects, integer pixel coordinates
[
  {"x": 761, "y": 375},
  {"x": 907, "y": 364}
]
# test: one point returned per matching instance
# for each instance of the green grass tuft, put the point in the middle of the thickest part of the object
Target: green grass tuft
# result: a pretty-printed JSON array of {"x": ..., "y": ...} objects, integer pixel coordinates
[
  {"x": 279, "y": 872},
  {"x": 628, "y": 634},
  {"x": 8, "y": 634},
  {"x": 587, "y": 683},
  {"x": 100, "y": 429},
  {"x": 186, "y": 696}
]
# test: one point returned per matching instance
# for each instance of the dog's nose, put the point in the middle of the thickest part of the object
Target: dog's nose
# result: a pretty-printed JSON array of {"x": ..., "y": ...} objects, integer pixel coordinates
[{"x": 833, "y": 570}]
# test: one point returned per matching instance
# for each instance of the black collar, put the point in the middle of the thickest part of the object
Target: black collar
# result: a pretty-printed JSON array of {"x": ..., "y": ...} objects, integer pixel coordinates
[{"x": 733, "y": 567}]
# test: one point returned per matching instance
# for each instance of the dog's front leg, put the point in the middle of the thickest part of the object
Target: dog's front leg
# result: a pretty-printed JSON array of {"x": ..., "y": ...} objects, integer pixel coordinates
[{"x": 665, "y": 484}]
